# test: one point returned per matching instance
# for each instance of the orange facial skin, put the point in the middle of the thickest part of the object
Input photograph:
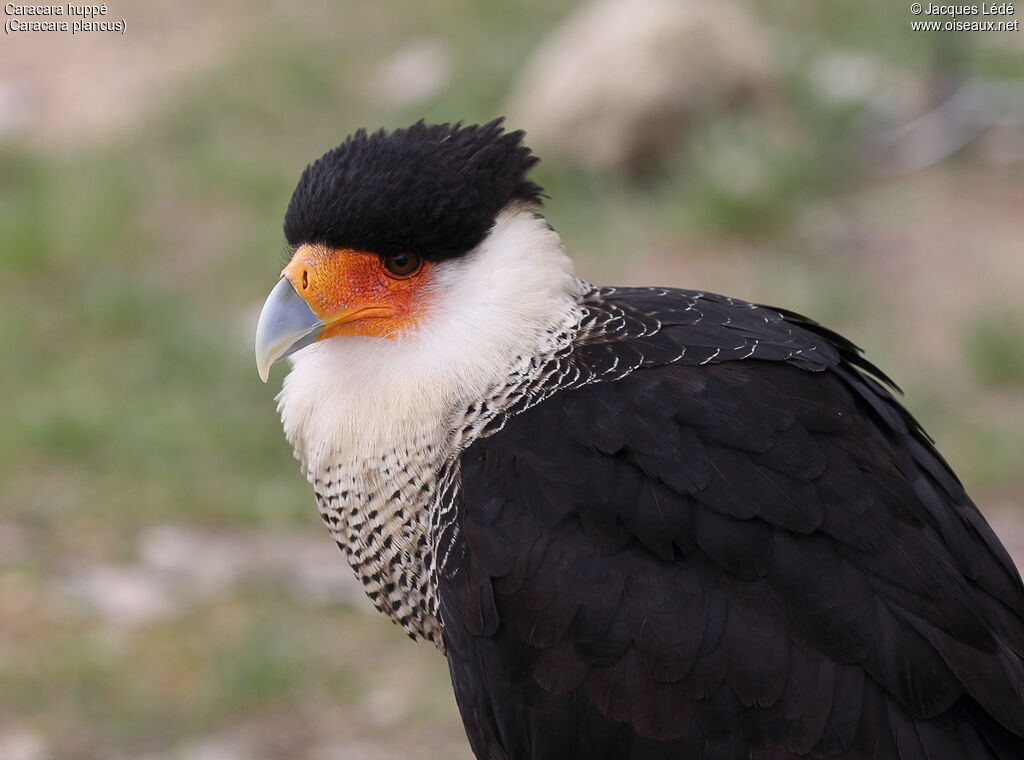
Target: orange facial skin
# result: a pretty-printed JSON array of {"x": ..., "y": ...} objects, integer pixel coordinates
[{"x": 352, "y": 293}]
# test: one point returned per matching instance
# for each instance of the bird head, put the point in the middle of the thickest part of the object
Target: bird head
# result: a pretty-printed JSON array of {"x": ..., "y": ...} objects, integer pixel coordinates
[{"x": 382, "y": 227}]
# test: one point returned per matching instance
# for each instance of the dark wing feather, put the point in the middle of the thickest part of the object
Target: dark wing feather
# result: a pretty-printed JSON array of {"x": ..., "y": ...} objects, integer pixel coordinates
[{"x": 758, "y": 555}]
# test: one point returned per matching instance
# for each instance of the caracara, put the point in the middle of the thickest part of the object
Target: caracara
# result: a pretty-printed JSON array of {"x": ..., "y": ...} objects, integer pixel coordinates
[{"x": 639, "y": 523}]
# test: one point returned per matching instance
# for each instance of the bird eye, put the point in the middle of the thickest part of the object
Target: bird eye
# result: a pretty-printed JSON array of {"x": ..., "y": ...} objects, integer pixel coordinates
[{"x": 402, "y": 264}]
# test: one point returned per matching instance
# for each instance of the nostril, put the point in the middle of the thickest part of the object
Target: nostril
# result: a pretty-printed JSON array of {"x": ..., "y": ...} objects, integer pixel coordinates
[{"x": 305, "y": 279}]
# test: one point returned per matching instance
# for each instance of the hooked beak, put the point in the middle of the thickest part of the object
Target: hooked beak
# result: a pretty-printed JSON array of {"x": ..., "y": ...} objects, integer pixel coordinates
[{"x": 286, "y": 325}]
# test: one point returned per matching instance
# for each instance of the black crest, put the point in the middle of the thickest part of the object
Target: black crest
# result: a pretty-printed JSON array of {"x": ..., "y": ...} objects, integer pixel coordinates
[{"x": 432, "y": 189}]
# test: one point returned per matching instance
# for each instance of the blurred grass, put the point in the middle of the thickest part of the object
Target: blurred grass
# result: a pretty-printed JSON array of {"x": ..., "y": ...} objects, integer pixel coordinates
[
  {"x": 131, "y": 274},
  {"x": 994, "y": 343},
  {"x": 189, "y": 676}
]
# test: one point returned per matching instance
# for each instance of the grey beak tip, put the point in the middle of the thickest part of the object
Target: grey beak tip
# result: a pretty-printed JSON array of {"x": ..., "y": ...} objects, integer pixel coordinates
[{"x": 286, "y": 324}]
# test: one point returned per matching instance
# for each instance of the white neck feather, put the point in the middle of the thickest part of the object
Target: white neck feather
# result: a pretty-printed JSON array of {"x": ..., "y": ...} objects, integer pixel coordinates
[{"x": 350, "y": 398}]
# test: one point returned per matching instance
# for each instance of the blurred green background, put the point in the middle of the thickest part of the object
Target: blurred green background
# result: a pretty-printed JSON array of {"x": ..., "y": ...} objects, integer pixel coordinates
[{"x": 166, "y": 589}]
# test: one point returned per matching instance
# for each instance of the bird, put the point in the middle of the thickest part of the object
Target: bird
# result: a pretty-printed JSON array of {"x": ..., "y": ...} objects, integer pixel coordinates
[{"x": 640, "y": 523}]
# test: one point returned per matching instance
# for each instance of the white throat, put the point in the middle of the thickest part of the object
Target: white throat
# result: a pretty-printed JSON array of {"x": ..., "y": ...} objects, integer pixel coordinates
[{"x": 350, "y": 398}]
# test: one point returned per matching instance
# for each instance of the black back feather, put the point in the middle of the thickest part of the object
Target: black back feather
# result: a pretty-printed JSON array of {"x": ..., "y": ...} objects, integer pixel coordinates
[
  {"x": 743, "y": 549},
  {"x": 430, "y": 189}
]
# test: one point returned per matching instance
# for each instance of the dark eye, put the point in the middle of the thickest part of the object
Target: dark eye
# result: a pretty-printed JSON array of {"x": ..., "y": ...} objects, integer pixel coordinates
[{"x": 402, "y": 264}]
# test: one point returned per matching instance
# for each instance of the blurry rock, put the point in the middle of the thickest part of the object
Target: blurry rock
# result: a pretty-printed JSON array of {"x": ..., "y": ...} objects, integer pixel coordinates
[
  {"x": 414, "y": 74},
  {"x": 849, "y": 77},
  {"x": 12, "y": 107},
  {"x": 22, "y": 744},
  {"x": 619, "y": 84},
  {"x": 205, "y": 564},
  {"x": 452, "y": 748},
  {"x": 200, "y": 563},
  {"x": 355, "y": 750},
  {"x": 123, "y": 596},
  {"x": 217, "y": 748},
  {"x": 180, "y": 567},
  {"x": 316, "y": 580}
]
